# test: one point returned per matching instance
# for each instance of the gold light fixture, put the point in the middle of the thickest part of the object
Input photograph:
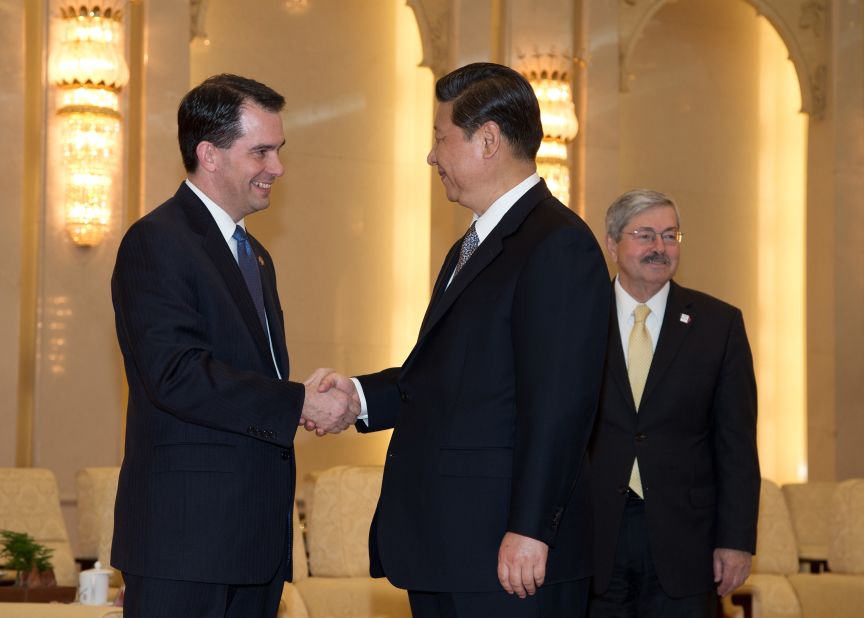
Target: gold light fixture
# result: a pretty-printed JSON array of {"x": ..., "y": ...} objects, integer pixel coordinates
[
  {"x": 89, "y": 68},
  {"x": 552, "y": 86}
]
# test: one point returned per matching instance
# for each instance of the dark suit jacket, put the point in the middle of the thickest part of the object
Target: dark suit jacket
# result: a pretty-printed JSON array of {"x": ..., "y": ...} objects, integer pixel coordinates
[
  {"x": 207, "y": 481},
  {"x": 695, "y": 435},
  {"x": 494, "y": 406}
]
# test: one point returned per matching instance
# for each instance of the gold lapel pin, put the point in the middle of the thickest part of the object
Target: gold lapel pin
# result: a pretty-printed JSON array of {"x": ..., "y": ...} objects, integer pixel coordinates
[{"x": 261, "y": 260}]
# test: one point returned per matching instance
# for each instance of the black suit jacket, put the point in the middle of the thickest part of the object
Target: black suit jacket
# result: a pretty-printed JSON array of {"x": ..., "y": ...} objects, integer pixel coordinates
[
  {"x": 207, "y": 480},
  {"x": 695, "y": 436},
  {"x": 493, "y": 408}
]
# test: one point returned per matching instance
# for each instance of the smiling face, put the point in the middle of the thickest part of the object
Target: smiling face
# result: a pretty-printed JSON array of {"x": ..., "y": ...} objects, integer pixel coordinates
[
  {"x": 243, "y": 174},
  {"x": 459, "y": 160},
  {"x": 643, "y": 269}
]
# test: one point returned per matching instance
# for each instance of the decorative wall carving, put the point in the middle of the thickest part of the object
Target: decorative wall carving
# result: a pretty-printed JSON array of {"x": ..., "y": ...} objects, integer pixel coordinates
[
  {"x": 801, "y": 25},
  {"x": 433, "y": 20}
]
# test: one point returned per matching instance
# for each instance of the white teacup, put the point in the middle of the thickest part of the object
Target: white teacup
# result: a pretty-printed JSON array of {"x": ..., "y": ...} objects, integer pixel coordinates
[{"x": 93, "y": 586}]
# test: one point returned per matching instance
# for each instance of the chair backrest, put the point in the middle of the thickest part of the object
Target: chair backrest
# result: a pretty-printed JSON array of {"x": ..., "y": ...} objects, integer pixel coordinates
[
  {"x": 810, "y": 507},
  {"x": 96, "y": 488},
  {"x": 30, "y": 502},
  {"x": 338, "y": 521},
  {"x": 776, "y": 551},
  {"x": 846, "y": 543}
]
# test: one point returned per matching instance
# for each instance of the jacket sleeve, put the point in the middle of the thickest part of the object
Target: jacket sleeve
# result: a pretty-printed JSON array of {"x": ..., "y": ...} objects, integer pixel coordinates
[{"x": 736, "y": 460}]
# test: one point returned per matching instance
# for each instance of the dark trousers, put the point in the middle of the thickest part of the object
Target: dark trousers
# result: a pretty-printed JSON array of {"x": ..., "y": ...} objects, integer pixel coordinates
[
  {"x": 634, "y": 590},
  {"x": 564, "y": 600},
  {"x": 150, "y": 597}
]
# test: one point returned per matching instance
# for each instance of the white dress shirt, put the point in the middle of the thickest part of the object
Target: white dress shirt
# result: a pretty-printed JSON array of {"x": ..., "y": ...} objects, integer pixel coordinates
[{"x": 625, "y": 304}]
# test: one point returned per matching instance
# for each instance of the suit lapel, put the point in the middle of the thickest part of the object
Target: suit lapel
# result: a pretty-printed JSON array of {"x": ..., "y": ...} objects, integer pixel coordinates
[
  {"x": 441, "y": 281},
  {"x": 214, "y": 244},
  {"x": 672, "y": 335},
  {"x": 273, "y": 310},
  {"x": 492, "y": 245}
]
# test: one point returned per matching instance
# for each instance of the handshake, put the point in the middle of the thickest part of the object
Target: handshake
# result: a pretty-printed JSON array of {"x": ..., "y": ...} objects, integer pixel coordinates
[{"x": 332, "y": 403}]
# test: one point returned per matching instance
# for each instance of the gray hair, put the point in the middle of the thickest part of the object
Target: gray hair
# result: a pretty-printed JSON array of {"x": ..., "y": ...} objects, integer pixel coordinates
[{"x": 631, "y": 204}]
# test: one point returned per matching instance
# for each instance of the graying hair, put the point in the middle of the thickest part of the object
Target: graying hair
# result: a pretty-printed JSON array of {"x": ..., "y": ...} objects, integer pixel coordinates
[{"x": 631, "y": 204}]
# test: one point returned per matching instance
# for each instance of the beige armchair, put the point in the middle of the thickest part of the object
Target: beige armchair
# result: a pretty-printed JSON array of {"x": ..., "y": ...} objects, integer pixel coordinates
[
  {"x": 768, "y": 590},
  {"x": 840, "y": 592},
  {"x": 337, "y": 533},
  {"x": 30, "y": 502},
  {"x": 810, "y": 507},
  {"x": 95, "y": 488}
]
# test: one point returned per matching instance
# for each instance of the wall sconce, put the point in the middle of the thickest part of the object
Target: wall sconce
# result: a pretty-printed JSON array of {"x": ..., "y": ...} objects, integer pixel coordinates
[
  {"x": 552, "y": 86},
  {"x": 89, "y": 68}
]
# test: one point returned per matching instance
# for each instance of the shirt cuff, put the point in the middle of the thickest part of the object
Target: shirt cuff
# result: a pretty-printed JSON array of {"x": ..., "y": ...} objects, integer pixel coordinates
[{"x": 364, "y": 410}]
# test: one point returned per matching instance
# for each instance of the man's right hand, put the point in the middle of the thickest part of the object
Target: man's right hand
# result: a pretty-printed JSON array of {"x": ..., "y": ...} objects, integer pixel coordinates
[{"x": 331, "y": 403}]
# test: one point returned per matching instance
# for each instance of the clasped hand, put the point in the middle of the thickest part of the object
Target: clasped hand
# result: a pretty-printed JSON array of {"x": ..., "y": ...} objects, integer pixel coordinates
[{"x": 331, "y": 403}]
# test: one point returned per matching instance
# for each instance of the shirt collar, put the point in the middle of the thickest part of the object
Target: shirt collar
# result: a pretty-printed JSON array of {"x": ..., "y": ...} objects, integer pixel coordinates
[
  {"x": 625, "y": 303},
  {"x": 486, "y": 222},
  {"x": 223, "y": 219}
]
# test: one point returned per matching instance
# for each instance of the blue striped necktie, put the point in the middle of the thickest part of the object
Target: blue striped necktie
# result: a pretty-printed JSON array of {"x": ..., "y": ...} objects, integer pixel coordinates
[{"x": 249, "y": 267}]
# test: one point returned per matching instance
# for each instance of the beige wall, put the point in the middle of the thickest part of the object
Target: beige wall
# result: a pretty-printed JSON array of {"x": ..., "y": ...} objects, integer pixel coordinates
[
  {"x": 711, "y": 118},
  {"x": 356, "y": 228},
  {"x": 12, "y": 29},
  {"x": 348, "y": 226}
]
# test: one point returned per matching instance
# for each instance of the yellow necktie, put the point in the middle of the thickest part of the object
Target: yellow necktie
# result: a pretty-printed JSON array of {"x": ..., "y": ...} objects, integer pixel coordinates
[{"x": 639, "y": 354}]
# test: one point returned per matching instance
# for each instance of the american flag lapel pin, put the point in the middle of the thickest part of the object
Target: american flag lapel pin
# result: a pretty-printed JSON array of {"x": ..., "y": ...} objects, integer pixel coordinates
[
  {"x": 685, "y": 318},
  {"x": 261, "y": 260}
]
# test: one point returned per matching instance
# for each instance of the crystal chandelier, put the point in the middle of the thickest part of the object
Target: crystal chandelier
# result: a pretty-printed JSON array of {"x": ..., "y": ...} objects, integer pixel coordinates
[
  {"x": 557, "y": 112},
  {"x": 89, "y": 69}
]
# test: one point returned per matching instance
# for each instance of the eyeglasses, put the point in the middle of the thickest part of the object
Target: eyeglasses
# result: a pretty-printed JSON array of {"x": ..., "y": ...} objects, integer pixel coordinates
[{"x": 647, "y": 236}]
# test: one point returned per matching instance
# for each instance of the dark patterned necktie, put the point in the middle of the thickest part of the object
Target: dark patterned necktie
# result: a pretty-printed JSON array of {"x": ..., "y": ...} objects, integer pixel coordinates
[
  {"x": 469, "y": 243},
  {"x": 249, "y": 267}
]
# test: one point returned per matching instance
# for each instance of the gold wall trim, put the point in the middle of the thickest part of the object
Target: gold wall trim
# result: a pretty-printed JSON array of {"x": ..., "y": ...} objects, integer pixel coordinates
[{"x": 35, "y": 25}]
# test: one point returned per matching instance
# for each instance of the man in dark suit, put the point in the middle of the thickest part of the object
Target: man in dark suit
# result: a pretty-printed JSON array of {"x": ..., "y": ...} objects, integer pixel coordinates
[
  {"x": 484, "y": 504},
  {"x": 203, "y": 511},
  {"x": 675, "y": 474}
]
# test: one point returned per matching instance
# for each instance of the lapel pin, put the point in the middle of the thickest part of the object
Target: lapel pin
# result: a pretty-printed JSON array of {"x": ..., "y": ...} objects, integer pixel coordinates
[
  {"x": 685, "y": 318},
  {"x": 261, "y": 260}
]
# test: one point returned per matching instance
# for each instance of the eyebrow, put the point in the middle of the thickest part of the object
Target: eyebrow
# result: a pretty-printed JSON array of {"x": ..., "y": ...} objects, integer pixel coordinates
[{"x": 266, "y": 146}]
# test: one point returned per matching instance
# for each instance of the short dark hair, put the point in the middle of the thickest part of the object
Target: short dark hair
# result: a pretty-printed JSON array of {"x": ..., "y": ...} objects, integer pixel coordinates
[
  {"x": 211, "y": 112},
  {"x": 485, "y": 91}
]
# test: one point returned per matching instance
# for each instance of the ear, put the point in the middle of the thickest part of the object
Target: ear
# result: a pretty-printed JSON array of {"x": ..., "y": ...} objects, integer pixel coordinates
[
  {"x": 207, "y": 154},
  {"x": 490, "y": 136},
  {"x": 612, "y": 248}
]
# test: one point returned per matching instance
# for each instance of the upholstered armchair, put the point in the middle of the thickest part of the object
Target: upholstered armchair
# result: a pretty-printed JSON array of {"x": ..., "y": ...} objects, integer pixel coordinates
[
  {"x": 810, "y": 507},
  {"x": 838, "y": 593},
  {"x": 339, "y": 514},
  {"x": 768, "y": 590},
  {"x": 30, "y": 502},
  {"x": 96, "y": 489}
]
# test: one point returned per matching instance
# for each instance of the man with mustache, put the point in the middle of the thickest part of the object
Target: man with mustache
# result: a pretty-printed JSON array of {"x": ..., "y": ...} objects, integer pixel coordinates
[
  {"x": 203, "y": 511},
  {"x": 675, "y": 474}
]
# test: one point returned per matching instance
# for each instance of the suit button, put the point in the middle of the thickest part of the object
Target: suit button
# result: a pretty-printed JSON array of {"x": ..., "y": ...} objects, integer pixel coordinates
[
  {"x": 250, "y": 430},
  {"x": 403, "y": 396},
  {"x": 285, "y": 455},
  {"x": 640, "y": 437}
]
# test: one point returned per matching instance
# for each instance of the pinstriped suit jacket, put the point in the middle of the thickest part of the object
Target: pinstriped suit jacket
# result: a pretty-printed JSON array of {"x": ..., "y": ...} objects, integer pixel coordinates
[{"x": 207, "y": 481}]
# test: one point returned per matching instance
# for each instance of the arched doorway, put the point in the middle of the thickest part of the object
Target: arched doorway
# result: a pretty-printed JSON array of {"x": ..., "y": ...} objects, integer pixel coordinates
[{"x": 711, "y": 116}]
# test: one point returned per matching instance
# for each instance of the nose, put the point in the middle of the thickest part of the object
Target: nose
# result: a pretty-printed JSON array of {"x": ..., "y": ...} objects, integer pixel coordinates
[
  {"x": 275, "y": 166},
  {"x": 430, "y": 158},
  {"x": 658, "y": 245}
]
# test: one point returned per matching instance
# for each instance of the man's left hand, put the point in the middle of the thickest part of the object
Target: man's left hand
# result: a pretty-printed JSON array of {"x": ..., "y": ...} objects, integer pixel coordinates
[
  {"x": 521, "y": 564},
  {"x": 731, "y": 568}
]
